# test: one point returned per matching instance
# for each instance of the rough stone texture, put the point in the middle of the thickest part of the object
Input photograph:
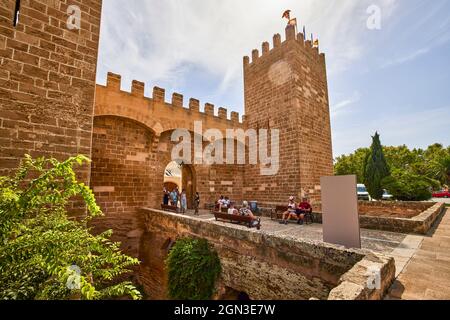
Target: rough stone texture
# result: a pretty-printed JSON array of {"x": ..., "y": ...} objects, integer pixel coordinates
[
  {"x": 121, "y": 177},
  {"x": 354, "y": 284},
  {"x": 47, "y": 81},
  {"x": 262, "y": 265}
]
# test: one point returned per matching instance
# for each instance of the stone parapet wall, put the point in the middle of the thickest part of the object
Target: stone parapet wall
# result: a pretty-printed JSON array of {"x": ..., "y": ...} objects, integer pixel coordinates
[
  {"x": 419, "y": 224},
  {"x": 405, "y": 209},
  {"x": 264, "y": 266}
]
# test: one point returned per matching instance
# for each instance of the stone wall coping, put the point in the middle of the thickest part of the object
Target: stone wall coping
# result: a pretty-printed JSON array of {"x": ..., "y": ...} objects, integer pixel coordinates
[{"x": 429, "y": 212}]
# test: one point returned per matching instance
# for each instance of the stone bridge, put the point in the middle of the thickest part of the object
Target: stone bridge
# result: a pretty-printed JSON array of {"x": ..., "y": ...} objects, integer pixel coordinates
[{"x": 262, "y": 265}]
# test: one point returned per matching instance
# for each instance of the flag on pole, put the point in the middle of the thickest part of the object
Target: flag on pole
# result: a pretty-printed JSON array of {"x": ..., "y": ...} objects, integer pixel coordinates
[{"x": 287, "y": 15}]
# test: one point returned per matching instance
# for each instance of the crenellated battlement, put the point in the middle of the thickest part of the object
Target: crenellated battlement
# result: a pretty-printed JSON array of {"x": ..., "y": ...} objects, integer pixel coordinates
[
  {"x": 113, "y": 83},
  {"x": 290, "y": 36}
]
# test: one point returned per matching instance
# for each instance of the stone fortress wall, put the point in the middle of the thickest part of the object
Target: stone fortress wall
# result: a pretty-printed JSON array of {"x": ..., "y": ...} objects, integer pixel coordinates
[{"x": 47, "y": 81}]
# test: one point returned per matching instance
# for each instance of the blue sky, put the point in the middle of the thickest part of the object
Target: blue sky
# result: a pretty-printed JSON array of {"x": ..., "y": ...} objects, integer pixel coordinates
[{"x": 395, "y": 80}]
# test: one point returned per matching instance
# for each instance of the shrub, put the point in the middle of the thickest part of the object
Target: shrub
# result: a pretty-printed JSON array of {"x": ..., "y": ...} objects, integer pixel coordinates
[
  {"x": 43, "y": 253},
  {"x": 193, "y": 269},
  {"x": 406, "y": 186}
]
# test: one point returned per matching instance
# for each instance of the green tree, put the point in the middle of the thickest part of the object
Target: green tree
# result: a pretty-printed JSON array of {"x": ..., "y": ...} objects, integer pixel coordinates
[
  {"x": 440, "y": 169},
  {"x": 375, "y": 169},
  {"x": 352, "y": 164},
  {"x": 407, "y": 186},
  {"x": 44, "y": 254},
  {"x": 193, "y": 268},
  {"x": 401, "y": 157}
]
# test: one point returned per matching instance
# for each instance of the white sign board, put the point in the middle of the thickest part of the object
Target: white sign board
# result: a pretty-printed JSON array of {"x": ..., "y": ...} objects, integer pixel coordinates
[{"x": 340, "y": 211}]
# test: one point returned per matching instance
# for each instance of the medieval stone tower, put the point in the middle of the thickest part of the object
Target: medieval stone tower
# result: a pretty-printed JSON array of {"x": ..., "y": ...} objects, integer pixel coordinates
[{"x": 286, "y": 89}]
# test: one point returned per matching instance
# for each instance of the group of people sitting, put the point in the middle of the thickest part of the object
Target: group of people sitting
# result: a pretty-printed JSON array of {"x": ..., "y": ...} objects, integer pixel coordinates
[
  {"x": 224, "y": 202},
  {"x": 296, "y": 211}
]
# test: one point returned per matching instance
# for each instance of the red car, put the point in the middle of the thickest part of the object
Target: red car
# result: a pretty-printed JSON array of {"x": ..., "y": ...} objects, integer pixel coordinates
[{"x": 442, "y": 194}]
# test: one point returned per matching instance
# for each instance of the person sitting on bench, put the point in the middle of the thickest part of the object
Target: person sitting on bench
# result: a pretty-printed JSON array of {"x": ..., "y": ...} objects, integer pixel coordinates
[
  {"x": 246, "y": 212},
  {"x": 291, "y": 211},
  {"x": 233, "y": 210},
  {"x": 303, "y": 208},
  {"x": 226, "y": 203},
  {"x": 220, "y": 203}
]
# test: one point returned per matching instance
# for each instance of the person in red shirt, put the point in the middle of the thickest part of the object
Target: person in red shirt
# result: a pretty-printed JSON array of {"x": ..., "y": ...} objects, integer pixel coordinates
[{"x": 303, "y": 208}]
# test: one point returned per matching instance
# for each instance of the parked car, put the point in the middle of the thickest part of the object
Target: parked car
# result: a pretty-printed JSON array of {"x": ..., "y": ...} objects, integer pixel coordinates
[
  {"x": 362, "y": 192},
  {"x": 442, "y": 194},
  {"x": 387, "y": 196}
]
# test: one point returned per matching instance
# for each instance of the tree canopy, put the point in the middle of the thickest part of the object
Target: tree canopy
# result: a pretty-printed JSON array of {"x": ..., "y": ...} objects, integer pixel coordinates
[{"x": 432, "y": 165}]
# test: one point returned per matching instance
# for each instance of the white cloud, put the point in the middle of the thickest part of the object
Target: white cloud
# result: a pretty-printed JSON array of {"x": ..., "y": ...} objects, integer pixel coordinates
[
  {"x": 156, "y": 41},
  {"x": 343, "y": 105},
  {"x": 408, "y": 58}
]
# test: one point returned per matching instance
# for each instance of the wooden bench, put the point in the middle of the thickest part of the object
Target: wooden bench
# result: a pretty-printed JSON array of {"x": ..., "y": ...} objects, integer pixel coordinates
[
  {"x": 237, "y": 219},
  {"x": 277, "y": 214},
  {"x": 169, "y": 208}
]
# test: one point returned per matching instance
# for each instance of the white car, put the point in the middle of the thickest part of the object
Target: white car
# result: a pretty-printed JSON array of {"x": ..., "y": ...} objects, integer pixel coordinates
[
  {"x": 387, "y": 196},
  {"x": 362, "y": 192}
]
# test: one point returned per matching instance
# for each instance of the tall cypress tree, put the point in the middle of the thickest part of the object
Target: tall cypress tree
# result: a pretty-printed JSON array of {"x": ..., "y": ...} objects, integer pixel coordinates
[{"x": 375, "y": 168}]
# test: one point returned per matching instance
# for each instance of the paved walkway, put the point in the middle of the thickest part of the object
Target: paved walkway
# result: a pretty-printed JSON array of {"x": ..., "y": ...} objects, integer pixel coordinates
[{"x": 427, "y": 275}]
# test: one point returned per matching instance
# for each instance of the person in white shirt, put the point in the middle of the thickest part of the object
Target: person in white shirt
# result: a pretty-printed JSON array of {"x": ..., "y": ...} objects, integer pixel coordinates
[
  {"x": 233, "y": 210},
  {"x": 226, "y": 202},
  {"x": 291, "y": 211},
  {"x": 246, "y": 212},
  {"x": 220, "y": 203}
]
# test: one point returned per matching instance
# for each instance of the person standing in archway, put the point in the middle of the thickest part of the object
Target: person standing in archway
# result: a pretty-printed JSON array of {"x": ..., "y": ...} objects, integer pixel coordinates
[
  {"x": 165, "y": 197},
  {"x": 183, "y": 201},
  {"x": 174, "y": 196},
  {"x": 196, "y": 203}
]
